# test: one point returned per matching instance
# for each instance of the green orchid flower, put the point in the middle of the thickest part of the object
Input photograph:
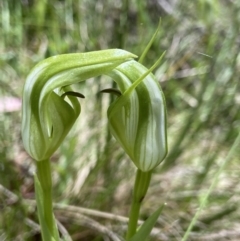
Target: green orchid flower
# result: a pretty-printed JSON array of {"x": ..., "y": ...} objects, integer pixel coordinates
[
  {"x": 47, "y": 116},
  {"x": 137, "y": 118}
]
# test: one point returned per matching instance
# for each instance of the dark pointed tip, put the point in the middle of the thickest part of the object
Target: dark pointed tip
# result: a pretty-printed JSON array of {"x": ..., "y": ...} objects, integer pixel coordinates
[
  {"x": 72, "y": 93},
  {"x": 111, "y": 91}
]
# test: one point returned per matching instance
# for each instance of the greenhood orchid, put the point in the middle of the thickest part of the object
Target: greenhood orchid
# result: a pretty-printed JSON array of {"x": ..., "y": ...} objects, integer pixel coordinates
[
  {"x": 137, "y": 118},
  {"x": 46, "y": 116}
]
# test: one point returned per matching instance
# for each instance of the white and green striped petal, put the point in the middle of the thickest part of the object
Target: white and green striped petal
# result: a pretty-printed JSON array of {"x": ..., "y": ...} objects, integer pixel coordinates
[
  {"x": 138, "y": 118},
  {"x": 46, "y": 116}
]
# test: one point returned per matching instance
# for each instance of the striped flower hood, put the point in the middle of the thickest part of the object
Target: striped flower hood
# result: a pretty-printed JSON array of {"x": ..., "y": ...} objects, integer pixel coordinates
[{"x": 137, "y": 118}]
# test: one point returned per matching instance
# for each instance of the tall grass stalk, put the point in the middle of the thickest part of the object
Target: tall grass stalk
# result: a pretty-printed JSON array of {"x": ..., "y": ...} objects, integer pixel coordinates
[{"x": 204, "y": 199}]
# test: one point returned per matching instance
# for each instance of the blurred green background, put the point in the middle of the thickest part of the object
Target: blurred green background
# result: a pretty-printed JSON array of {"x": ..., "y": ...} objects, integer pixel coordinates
[{"x": 200, "y": 80}]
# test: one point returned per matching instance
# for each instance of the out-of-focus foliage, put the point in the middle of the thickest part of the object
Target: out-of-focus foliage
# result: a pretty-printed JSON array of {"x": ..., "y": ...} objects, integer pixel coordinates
[{"x": 200, "y": 79}]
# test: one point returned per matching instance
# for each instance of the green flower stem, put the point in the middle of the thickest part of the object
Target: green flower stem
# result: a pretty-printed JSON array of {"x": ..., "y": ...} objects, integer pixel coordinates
[
  {"x": 140, "y": 189},
  {"x": 45, "y": 180}
]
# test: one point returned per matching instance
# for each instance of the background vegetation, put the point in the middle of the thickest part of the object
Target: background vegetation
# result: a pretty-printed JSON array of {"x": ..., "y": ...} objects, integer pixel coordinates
[{"x": 200, "y": 79}]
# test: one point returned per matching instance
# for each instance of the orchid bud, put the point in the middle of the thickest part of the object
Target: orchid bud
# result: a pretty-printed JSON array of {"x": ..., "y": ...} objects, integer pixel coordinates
[
  {"x": 137, "y": 118},
  {"x": 50, "y": 107}
]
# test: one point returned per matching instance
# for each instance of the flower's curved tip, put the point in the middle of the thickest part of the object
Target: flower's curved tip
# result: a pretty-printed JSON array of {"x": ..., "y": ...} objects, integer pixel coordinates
[
  {"x": 72, "y": 93},
  {"x": 120, "y": 52},
  {"x": 111, "y": 91}
]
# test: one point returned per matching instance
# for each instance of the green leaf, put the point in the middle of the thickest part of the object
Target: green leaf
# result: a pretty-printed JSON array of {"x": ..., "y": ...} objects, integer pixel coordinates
[{"x": 147, "y": 226}]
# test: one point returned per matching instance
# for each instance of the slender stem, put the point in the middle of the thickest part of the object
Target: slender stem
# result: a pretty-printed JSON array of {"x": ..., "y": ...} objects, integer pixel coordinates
[
  {"x": 45, "y": 179},
  {"x": 141, "y": 185}
]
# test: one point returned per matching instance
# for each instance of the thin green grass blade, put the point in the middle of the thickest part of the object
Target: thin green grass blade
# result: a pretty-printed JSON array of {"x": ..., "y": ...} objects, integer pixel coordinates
[
  {"x": 148, "y": 225},
  {"x": 142, "y": 57},
  {"x": 205, "y": 198}
]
